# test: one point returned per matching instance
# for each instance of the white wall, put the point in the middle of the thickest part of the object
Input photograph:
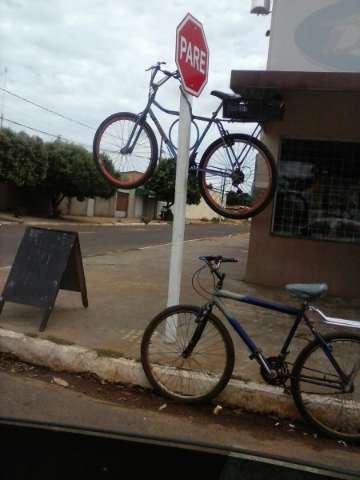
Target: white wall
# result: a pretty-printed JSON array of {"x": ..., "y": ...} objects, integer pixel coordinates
[
  {"x": 76, "y": 207},
  {"x": 197, "y": 212},
  {"x": 104, "y": 207},
  {"x": 139, "y": 206},
  {"x": 315, "y": 35}
]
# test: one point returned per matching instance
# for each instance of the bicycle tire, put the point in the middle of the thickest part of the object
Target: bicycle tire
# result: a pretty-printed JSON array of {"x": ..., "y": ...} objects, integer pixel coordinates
[
  {"x": 168, "y": 380},
  {"x": 218, "y": 179},
  {"x": 121, "y": 170},
  {"x": 318, "y": 406}
]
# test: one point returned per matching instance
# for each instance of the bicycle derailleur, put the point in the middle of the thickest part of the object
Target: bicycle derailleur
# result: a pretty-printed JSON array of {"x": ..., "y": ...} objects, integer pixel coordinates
[{"x": 279, "y": 369}]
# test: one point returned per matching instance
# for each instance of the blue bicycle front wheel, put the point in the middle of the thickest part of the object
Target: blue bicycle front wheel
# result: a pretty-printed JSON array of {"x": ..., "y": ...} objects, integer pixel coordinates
[
  {"x": 189, "y": 375},
  {"x": 125, "y": 150}
]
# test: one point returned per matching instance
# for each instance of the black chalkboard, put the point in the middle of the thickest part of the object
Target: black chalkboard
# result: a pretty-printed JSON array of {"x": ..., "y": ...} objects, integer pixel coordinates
[{"x": 47, "y": 260}]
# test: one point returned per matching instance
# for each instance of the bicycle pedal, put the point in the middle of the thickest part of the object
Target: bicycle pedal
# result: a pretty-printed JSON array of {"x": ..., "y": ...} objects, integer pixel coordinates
[{"x": 287, "y": 390}]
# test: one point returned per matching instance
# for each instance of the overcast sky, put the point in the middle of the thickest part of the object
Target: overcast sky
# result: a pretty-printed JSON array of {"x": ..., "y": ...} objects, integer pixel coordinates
[{"x": 86, "y": 58}]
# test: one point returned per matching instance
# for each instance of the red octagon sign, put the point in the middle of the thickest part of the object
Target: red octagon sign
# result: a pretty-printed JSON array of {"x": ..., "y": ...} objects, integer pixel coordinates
[{"x": 192, "y": 55}]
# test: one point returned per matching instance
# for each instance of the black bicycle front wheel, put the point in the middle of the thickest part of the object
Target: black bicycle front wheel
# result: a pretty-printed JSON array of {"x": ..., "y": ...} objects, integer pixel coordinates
[
  {"x": 125, "y": 168},
  {"x": 200, "y": 376},
  {"x": 237, "y": 176},
  {"x": 317, "y": 387}
]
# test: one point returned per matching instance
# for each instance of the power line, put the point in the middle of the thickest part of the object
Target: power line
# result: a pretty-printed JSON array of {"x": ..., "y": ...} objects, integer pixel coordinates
[
  {"x": 45, "y": 133},
  {"x": 3, "y": 98},
  {"x": 49, "y": 110}
]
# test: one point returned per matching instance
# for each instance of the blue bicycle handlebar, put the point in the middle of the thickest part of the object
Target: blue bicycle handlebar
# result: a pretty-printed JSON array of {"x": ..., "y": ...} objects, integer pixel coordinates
[{"x": 218, "y": 259}]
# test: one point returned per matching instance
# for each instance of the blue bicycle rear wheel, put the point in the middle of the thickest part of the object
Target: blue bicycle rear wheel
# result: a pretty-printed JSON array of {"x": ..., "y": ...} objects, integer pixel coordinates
[
  {"x": 320, "y": 394},
  {"x": 237, "y": 176}
]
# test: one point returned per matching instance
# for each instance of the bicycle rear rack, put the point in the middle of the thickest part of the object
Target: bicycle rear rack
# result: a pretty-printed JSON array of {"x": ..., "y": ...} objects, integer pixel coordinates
[{"x": 336, "y": 322}]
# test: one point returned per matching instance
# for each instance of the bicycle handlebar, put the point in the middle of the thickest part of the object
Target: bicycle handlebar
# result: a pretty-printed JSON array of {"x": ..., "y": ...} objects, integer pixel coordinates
[
  {"x": 218, "y": 259},
  {"x": 214, "y": 262},
  {"x": 157, "y": 66}
]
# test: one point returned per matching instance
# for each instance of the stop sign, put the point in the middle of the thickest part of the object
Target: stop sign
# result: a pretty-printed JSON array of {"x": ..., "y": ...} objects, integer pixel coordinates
[{"x": 192, "y": 55}]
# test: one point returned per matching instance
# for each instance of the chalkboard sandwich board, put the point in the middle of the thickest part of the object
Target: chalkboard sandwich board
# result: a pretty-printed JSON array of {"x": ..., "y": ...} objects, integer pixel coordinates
[{"x": 46, "y": 261}]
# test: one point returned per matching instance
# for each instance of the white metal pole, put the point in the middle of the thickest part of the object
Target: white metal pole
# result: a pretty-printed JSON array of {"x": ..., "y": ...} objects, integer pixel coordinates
[{"x": 177, "y": 245}]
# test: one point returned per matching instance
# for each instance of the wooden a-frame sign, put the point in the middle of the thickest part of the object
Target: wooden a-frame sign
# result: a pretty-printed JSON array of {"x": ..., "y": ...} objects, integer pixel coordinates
[{"x": 46, "y": 261}]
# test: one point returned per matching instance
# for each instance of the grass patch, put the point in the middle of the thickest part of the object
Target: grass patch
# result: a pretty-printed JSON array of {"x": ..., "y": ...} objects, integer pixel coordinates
[
  {"x": 108, "y": 353},
  {"x": 59, "y": 341},
  {"x": 32, "y": 335}
]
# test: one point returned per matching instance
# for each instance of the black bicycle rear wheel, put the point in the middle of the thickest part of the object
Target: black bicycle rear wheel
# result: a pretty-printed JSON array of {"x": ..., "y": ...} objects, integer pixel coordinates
[
  {"x": 316, "y": 386},
  {"x": 197, "y": 378},
  {"x": 237, "y": 176},
  {"x": 125, "y": 170}
]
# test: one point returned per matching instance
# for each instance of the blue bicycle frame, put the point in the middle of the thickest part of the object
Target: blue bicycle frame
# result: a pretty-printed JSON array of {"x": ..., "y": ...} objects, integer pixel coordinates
[
  {"x": 298, "y": 313},
  {"x": 134, "y": 135}
]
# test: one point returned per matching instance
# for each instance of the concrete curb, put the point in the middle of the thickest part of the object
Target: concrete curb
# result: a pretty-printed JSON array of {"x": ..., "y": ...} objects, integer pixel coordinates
[
  {"x": 10, "y": 220},
  {"x": 249, "y": 396}
]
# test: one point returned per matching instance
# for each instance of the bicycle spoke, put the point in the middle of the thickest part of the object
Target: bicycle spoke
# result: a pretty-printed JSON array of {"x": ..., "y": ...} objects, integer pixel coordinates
[
  {"x": 236, "y": 177},
  {"x": 196, "y": 375},
  {"x": 125, "y": 150},
  {"x": 321, "y": 392}
]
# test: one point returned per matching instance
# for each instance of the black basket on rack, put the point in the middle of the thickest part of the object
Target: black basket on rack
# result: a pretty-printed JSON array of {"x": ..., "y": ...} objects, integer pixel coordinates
[{"x": 257, "y": 110}]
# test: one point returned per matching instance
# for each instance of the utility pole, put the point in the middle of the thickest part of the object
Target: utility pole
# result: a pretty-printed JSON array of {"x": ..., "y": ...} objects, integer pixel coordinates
[{"x": 3, "y": 98}]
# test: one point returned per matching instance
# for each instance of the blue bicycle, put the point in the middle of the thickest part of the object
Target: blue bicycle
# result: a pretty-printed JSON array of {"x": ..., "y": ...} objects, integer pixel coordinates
[
  {"x": 236, "y": 174},
  {"x": 188, "y": 355}
]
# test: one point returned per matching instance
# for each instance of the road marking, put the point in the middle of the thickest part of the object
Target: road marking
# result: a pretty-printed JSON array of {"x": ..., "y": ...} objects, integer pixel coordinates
[
  {"x": 165, "y": 244},
  {"x": 132, "y": 335},
  {"x": 185, "y": 241}
]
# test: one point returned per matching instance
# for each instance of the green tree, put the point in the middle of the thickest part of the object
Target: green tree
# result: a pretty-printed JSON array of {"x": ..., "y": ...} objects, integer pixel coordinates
[
  {"x": 238, "y": 198},
  {"x": 162, "y": 184},
  {"x": 23, "y": 159},
  {"x": 72, "y": 173}
]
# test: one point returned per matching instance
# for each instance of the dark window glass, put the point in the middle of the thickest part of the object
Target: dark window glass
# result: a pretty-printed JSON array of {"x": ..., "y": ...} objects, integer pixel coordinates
[{"x": 318, "y": 193}]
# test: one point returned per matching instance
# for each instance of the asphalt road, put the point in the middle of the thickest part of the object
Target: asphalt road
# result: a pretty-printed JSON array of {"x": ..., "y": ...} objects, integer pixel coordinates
[
  {"x": 98, "y": 239},
  {"x": 135, "y": 413}
]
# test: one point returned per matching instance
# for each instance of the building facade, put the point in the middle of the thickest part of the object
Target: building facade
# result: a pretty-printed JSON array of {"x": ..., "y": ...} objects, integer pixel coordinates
[{"x": 311, "y": 231}]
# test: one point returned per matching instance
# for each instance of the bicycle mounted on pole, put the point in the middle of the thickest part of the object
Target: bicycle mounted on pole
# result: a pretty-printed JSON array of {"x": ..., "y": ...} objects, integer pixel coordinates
[{"x": 236, "y": 174}]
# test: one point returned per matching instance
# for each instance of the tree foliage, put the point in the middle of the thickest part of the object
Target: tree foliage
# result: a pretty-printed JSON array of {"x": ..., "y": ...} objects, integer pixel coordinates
[
  {"x": 23, "y": 159},
  {"x": 238, "y": 198},
  {"x": 72, "y": 173},
  {"x": 56, "y": 168},
  {"x": 162, "y": 183}
]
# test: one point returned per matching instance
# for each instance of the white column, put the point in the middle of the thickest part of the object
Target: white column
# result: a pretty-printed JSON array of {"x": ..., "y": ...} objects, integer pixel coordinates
[{"x": 90, "y": 207}]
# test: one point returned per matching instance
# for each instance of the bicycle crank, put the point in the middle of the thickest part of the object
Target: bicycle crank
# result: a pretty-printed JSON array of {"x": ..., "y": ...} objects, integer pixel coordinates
[{"x": 279, "y": 367}]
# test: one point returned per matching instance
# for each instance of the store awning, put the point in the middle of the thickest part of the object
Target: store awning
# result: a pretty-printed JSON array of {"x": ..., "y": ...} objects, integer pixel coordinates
[{"x": 263, "y": 83}]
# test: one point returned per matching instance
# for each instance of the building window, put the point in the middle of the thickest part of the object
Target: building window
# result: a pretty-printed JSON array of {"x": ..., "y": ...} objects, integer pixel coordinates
[{"x": 318, "y": 192}]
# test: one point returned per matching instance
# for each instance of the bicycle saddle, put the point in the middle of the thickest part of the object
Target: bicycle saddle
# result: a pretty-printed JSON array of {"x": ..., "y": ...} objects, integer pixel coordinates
[
  {"x": 307, "y": 291},
  {"x": 225, "y": 96}
]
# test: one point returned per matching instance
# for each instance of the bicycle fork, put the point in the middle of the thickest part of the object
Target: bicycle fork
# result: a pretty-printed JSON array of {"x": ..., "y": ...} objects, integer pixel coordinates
[
  {"x": 133, "y": 138},
  {"x": 201, "y": 321}
]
